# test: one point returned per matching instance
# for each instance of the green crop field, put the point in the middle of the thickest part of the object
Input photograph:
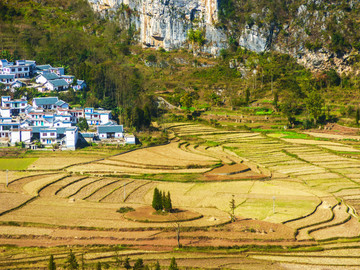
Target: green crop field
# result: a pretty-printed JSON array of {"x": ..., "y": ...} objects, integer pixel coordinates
[{"x": 16, "y": 164}]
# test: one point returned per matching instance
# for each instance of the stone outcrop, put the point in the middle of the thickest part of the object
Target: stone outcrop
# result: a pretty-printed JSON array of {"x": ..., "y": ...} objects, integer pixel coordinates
[{"x": 165, "y": 23}]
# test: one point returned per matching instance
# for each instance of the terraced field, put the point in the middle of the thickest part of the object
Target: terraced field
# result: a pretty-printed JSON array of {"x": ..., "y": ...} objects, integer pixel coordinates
[{"x": 308, "y": 196}]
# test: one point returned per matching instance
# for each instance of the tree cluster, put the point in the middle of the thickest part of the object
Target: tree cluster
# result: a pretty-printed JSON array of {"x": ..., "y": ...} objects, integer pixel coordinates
[{"x": 161, "y": 201}]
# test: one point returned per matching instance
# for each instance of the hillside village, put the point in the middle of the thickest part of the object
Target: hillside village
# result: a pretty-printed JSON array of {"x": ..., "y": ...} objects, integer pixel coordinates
[
  {"x": 43, "y": 78},
  {"x": 50, "y": 122}
]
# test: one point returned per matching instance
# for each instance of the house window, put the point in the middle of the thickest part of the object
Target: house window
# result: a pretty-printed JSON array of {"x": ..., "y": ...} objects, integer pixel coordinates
[
  {"x": 44, "y": 134},
  {"x": 19, "y": 69},
  {"x": 25, "y": 69},
  {"x": 43, "y": 140},
  {"x": 52, "y": 134},
  {"x": 13, "y": 70}
]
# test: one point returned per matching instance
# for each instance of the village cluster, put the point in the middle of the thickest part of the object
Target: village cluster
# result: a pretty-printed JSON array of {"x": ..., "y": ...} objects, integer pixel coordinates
[
  {"x": 43, "y": 78},
  {"x": 49, "y": 121}
]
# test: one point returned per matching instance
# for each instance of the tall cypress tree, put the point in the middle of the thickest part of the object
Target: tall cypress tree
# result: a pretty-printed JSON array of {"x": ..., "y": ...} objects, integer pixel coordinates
[
  {"x": 157, "y": 200},
  {"x": 157, "y": 266},
  {"x": 163, "y": 200},
  {"x": 52, "y": 265},
  {"x": 127, "y": 263},
  {"x": 173, "y": 264},
  {"x": 168, "y": 204},
  {"x": 71, "y": 261}
]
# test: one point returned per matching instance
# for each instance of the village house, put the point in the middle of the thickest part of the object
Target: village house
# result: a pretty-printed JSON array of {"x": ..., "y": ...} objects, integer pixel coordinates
[
  {"x": 7, "y": 79},
  {"x": 68, "y": 78},
  {"x": 65, "y": 137},
  {"x": 22, "y": 69},
  {"x": 80, "y": 84},
  {"x": 49, "y": 103},
  {"x": 20, "y": 135},
  {"x": 57, "y": 85},
  {"x": 97, "y": 117},
  {"x": 11, "y": 107},
  {"x": 110, "y": 132},
  {"x": 46, "y": 77},
  {"x": 6, "y": 127}
]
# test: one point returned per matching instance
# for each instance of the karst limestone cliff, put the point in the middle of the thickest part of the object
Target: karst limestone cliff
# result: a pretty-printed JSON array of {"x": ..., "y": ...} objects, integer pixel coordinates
[{"x": 165, "y": 23}]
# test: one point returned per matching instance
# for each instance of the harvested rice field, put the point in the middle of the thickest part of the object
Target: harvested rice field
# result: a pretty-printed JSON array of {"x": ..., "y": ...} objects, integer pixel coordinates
[{"x": 296, "y": 194}]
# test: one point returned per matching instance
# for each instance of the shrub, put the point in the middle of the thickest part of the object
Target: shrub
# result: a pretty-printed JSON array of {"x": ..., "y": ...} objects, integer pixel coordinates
[
  {"x": 151, "y": 58},
  {"x": 125, "y": 209}
]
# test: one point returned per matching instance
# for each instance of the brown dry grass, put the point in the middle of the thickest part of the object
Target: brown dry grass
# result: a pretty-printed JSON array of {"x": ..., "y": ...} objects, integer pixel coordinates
[
  {"x": 53, "y": 188},
  {"x": 71, "y": 189},
  {"x": 11, "y": 200},
  {"x": 105, "y": 190},
  {"x": 89, "y": 189}
]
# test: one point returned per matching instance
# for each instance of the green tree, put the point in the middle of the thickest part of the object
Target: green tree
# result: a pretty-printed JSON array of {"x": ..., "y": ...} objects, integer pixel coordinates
[
  {"x": 196, "y": 37},
  {"x": 139, "y": 264},
  {"x": 157, "y": 200},
  {"x": 232, "y": 208},
  {"x": 71, "y": 262},
  {"x": 98, "y": 266},
  {"x": 127, "y": 263},
  {"x": 314, "y": 104},
  {"x": 187, "y": 101},
  {"x": 83, "y": 124},
  {"x": 247, "y": 96},
  {"x": 52, "y": 265},
  {"x": 157, "y": 266},
  {"x": 276, "y": 100},
  {"x": 167, "y": 203},
  {"x": 290, "y": 108},
  {"x": 173, "y": 264},
  {"x": 357, "y": 116},
  {"x": 163, "y": 199}
]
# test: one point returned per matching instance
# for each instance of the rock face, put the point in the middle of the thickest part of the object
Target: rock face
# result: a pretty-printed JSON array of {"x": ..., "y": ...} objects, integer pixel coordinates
[
  {"x": 165, "y": 23},
  {"x": 256, "y": 39}
]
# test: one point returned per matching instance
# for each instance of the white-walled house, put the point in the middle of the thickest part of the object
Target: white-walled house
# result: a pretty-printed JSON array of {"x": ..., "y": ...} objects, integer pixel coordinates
[
  {"x": 64, "y": 136},
  {"x": 48, "y": 136},
  {"x": 20, "y": 71},
  {"x": 110, "y": 132},
  {"x": 71, "y": 137},
  {"x": 130, "y": 139},
  {"x": 7, "y": 127},
  {"x": 68, "y": 78},
  {"x": 7, "y": 79},
  {"x": 57, "y": 85},
  {"x": 49, "y": 103},
  {"x": 20, "y": 135},
  {"x": 45, "y": 77},
  {"x": 16, "y": 106},
  {"x": 80, "y": 84},
  {"x": 97, "y": 117}
]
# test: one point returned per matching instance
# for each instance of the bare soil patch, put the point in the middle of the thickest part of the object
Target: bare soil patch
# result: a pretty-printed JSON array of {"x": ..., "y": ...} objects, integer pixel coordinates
[
  {"x": 148, "y": 214},
  {"x": 229, "y": 169},
  {"x": 233, "y": 172}
]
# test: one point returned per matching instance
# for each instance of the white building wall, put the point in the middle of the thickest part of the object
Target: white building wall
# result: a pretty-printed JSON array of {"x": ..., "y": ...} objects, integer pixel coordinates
[
  {"x": 104, "y": 118},
  {"x": 5, "y": 112},
  {"x": 119, "y": 135},
  {"x": 71, "y": 138}
]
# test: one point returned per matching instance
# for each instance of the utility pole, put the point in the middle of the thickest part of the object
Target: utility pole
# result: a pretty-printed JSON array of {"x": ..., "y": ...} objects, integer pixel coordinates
[
  {"x": 274, "y": 204},
  {"x": 7, "y": 180},
  {"x": 124, "y": 191}
]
